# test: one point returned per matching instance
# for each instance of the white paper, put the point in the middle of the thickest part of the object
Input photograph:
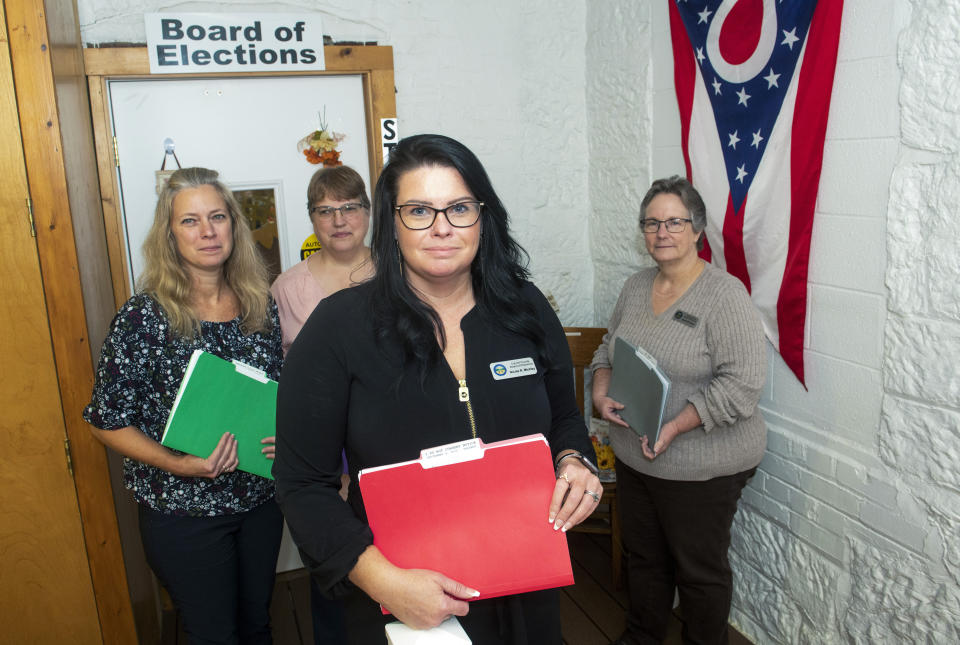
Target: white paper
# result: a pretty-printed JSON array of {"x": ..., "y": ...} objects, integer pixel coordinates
[{"x": 449, "y": 632}]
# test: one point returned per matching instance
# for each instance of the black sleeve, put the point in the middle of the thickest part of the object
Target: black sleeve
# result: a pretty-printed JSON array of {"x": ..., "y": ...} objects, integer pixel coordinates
[
  {"x": 312, "y": 406},
  {"x": 567, "y": 428}
]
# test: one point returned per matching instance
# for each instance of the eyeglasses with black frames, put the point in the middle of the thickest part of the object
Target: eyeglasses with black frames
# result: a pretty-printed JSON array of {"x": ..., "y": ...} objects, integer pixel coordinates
[
  {"x": 417, "y": 217},
  {"x": 673, "y": 225},
  {"x": 348, "y": 211}
]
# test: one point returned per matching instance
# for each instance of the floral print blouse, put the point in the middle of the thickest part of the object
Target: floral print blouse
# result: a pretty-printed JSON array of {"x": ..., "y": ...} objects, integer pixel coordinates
[{"x": 141, "y": 365}]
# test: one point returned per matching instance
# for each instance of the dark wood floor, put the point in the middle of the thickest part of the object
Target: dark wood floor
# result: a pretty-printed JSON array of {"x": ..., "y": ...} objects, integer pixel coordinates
[{"x": 592, "y": 610}]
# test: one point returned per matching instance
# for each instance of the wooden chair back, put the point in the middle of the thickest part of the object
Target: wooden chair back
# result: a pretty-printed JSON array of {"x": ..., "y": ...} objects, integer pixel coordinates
[{"x": 583, "y": 342}]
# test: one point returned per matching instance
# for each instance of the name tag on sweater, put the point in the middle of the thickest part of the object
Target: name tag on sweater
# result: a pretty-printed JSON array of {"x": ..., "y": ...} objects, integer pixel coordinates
[
  {"x": 512, "y": 369},
  {"x": 687, "y": 319}
]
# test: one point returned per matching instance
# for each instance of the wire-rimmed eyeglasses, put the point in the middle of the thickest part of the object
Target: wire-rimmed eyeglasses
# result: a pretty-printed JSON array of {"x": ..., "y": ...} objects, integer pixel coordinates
[
  {"x": 417, "y": 217},
  {"x": 673, "y": 225},
  {"x": 351, "y": 210}
]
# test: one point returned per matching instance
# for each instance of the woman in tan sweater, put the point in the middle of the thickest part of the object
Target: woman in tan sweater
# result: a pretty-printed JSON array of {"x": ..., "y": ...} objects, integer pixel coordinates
[{"x": 679, "y": 496}]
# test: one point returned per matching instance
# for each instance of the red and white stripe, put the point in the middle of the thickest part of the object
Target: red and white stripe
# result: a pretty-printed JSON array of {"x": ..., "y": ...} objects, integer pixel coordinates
[{"x": 767, "y": 243}]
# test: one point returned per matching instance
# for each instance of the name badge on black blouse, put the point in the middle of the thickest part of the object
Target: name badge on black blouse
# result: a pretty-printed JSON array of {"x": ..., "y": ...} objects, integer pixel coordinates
[
  {"x": 687, "y": 319},
  {"x": 513, "y": 368}
]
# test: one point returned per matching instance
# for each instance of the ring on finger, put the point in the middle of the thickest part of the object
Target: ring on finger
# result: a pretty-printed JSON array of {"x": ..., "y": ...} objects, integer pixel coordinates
[
  {"x": 595, "y": 496},
  {"x": 564, "y": 478}
]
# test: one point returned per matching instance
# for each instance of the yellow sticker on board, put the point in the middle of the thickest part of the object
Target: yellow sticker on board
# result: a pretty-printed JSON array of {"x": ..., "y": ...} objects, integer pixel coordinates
[{"x": 310, "y": 246}]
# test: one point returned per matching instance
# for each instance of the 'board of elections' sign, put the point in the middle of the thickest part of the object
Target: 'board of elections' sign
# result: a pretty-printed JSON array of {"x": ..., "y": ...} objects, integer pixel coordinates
[{"x": 197, "y": 43}]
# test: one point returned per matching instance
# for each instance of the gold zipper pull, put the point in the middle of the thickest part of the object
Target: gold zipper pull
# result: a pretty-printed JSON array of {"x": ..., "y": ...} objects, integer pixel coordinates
[{"x": 464, "y": 395}]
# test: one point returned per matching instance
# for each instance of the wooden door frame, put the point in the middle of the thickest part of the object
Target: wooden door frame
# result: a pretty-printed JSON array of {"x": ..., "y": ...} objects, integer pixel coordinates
[
  {"x": 45, "y": 51},
  {"x": 373, "y": 63}
]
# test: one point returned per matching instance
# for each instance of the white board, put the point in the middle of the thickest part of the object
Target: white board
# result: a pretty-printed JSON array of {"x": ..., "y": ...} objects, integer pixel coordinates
[{"x": 245, "y": 128}]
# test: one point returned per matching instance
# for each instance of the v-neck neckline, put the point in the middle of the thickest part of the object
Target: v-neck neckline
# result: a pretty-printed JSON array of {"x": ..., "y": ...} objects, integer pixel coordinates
[{"x": 669, "y": 311}]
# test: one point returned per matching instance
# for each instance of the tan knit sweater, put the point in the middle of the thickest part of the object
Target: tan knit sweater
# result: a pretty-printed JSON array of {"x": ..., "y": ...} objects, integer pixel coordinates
[{"x": 718, "y": 365}]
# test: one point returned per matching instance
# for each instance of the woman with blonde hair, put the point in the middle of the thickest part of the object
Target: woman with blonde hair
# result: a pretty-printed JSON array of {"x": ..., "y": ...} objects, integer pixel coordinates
[{"x": 210, "y": 533}]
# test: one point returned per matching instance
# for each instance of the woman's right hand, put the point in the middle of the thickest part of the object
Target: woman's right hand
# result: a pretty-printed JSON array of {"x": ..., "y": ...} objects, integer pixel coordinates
[
  {"x": 422, "y": 599},
  {"x": 419, "y": 598},
  {"x": 609, "y": 409},
  {"x": 223, "y": 459}
]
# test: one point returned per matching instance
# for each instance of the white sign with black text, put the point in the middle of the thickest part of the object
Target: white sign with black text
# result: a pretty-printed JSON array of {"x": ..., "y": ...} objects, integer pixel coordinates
[
  {"x": 389, "y": 136},
  {"x": 208, "y": 43}
]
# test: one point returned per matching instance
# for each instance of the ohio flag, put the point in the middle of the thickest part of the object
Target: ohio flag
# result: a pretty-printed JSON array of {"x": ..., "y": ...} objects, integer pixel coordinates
[{"x": 753, "y": 80}]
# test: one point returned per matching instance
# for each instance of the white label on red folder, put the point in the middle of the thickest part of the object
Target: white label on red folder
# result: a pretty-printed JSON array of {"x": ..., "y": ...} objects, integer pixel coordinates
[
  {"x": 451, "y": 453},
  {"x": 512, "y": 369}
]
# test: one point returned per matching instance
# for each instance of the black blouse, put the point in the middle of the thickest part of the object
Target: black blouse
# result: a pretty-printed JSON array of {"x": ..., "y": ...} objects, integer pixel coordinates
[{"x": 341, "y": 390}]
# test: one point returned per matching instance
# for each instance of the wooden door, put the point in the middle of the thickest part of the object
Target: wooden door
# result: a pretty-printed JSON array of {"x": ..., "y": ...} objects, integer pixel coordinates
[{"x": 46, "y": 592}]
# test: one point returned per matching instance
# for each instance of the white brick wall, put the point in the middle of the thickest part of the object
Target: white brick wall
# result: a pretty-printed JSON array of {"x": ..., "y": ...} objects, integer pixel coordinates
[
  {"x": 505, "y": 77},
  {"x": 849, "y": 532},
  {"x": 619, "y": 76}
]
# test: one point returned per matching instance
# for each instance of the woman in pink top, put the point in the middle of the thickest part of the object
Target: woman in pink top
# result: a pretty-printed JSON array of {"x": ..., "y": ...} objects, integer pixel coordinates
[{"x": 340, "y": 212}]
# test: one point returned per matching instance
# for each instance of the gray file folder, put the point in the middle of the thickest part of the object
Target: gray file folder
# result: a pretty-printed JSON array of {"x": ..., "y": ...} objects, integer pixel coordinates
[{"x": 639, "y": 384}]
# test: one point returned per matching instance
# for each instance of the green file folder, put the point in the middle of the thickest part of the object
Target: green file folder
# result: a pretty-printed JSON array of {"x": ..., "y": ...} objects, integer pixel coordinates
[{"x": 218, "y": 396}]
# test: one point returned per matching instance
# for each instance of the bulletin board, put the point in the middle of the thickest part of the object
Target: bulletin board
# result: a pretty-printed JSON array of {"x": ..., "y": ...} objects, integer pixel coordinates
[{"x": 245, "y": 126}]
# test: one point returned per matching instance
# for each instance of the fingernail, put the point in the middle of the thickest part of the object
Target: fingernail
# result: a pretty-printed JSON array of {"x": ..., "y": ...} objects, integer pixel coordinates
[
  {"x": 551, "y": 519},
  {"x": 564, "y": 530},
  {"x": 475, "y": 594},
  {"x": 556, "y": 526}
]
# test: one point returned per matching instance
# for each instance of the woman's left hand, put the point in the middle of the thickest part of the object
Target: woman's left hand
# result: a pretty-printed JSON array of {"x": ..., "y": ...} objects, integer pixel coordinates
[
  {"x": 668, "y": 433},
  {"x": 687, "y": 420},
  {"x": 575, "y": 495},
  {"x": 269, "y": 448}
]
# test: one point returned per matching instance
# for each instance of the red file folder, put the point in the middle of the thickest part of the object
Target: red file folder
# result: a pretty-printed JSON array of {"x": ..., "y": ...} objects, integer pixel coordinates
[{"x": 475, "y": 512}]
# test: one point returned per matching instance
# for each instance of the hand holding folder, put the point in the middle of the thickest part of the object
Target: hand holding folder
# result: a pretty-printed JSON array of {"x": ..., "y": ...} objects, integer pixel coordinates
[
  {"x": 641, "y": 386},
  {"x": 475, "y": 512},
  {"x": 218, "y": 396}
]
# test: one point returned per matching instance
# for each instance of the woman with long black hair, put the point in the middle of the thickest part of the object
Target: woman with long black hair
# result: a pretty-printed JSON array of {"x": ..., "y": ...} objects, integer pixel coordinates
[{"x": 403, "y": 363}]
